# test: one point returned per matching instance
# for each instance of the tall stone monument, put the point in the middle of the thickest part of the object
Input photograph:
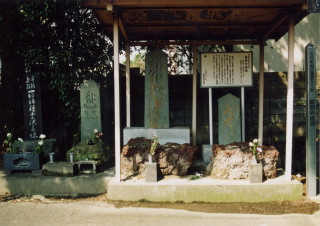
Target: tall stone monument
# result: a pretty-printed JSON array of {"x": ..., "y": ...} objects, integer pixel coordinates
[
  {"x": 32, "y": 107},
  {"x": 156, "y": 104},
  {"x": 156, "y": 90},
  {"x": 90, "y": 109},
  {"x": 229, "y": 119}
]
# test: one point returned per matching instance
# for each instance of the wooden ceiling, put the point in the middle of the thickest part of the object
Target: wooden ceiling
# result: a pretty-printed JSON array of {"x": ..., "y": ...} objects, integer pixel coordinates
[{"x": 199, "y": 20}]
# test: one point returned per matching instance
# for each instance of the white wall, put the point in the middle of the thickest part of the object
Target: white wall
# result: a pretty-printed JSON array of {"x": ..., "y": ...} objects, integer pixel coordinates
[{"x": 276, "y": 53}]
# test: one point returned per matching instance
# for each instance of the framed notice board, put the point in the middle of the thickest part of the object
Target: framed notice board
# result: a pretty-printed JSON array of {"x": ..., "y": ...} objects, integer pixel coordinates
[{"x": 226, "y": 69}]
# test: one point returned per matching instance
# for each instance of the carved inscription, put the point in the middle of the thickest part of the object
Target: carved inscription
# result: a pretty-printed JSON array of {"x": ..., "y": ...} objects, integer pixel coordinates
[
  {"x": 156, "y": 90},
  {"x": 32, "y": 107},
  {"x": 90, "y": 105}
]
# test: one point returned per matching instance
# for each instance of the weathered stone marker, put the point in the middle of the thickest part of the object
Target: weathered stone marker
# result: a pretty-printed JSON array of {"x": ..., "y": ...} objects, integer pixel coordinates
[
  {"x": 156, "y": 116},
  {"x": 229, "y": 123},
  {"x": 90, "y": 109},
  {"x": 311, "y": 156},
  {"x": 156, "y": 90},
  {"x": 32, "y": 107}
]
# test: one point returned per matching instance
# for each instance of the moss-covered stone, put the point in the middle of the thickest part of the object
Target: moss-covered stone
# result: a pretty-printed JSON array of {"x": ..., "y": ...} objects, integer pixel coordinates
[{"x": 99, "y": 152}]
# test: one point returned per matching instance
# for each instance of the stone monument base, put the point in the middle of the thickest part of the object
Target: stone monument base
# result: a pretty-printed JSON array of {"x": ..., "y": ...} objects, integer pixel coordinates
[
  {"x": 59, "y": 169},
  {"x": 180, "y": 135}
]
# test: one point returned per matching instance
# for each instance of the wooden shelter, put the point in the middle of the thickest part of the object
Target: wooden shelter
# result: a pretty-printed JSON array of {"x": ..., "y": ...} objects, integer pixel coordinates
[{"x": 168, "y": 22}]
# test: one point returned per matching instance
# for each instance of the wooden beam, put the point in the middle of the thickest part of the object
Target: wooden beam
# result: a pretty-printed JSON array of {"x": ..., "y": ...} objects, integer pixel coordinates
[
  {"x": 191, "y": 3},
  {"x": 123, "y": 30},
  {"x": 253, "y": 42},
  {"x": 194, "y": 97},
  {"x": 116, "y": 72},
  {"x": 275, "y": 26},
  {"x": 209, "y": 25},
  {"x": 261, "y": 94},
  {"x": 128, "y": 101}
]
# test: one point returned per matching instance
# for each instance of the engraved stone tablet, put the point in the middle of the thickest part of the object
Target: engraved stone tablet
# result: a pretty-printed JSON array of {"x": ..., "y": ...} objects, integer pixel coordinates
[
  {"x": 32, "y": 107},
  {"x": 229, "y": 119},
  {"x": 156, "y": 90},
  {"x": 90, "y": 109}
]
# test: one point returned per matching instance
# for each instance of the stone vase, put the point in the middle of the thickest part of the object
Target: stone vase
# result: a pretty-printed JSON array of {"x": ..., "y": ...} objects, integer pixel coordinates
[{"x": 256, "y": 173}]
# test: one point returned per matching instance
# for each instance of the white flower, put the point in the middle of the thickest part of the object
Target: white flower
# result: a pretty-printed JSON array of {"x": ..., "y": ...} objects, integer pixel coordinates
[
  {"x": 255, "y": 141},
  {"x": 95, "y": 131},
  {"x": 19, "y": 139},
  {"x": 251, "y": 144},
  {"x": 9, "y": 135},
  {"x": 42, "y": 136},
  {"x": 259, "y": 150},
  {"x": 40, "y": 142}
]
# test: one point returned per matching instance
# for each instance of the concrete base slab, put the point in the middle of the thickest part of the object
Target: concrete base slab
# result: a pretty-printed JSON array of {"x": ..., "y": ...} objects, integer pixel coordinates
[
  {"x": 180, "y": 135},
  {"x": 29, "y": 184},
  {"x": 205, "y": 190}
]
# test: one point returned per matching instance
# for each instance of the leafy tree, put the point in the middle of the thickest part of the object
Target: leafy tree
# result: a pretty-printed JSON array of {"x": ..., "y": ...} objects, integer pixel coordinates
[
  {"x": 62, "y": 43},
  {"x": 11, "y": 118},
  {"x": 65, "y": 44}
]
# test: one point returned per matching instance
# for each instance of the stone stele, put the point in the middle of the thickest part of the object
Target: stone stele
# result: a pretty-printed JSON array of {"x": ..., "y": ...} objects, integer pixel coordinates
[
  {"x": 229, "y": 125},
  {"x": 90, "y": 109},
  {"x": 156, "y": 90}
]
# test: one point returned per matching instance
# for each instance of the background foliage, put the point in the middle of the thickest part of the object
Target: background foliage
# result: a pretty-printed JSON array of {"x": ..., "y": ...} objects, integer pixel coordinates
[{"x": 62, "y": 43}]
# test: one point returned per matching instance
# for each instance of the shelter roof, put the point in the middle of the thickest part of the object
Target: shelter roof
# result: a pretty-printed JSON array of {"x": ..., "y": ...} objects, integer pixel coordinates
[{"x": 199, "y": 20}]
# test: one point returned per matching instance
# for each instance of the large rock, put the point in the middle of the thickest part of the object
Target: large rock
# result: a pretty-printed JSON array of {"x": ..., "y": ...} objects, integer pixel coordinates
[
  {"x": 98, "y": 152},
  {"x": 171, "y": 158},
  {"x": 176, "y": 159},
  {"x": 233, "y": 161}
]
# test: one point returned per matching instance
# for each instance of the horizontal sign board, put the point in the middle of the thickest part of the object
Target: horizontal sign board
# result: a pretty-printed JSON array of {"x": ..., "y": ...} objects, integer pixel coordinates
[{"x": 226, "y": 69}]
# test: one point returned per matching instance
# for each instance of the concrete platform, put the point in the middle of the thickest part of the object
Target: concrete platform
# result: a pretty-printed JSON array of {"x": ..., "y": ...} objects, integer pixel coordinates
[
  {"x": 174, "y": 189},
  {"x": 169, "y": 189},
  {"x": 29, "y": 184}
]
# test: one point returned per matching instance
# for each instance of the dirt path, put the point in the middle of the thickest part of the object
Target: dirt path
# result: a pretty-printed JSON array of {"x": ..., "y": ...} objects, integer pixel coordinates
[{"x": 270, "y": 208}]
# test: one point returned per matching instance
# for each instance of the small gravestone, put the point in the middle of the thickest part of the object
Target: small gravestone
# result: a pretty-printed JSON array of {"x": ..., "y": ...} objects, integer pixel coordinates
[
  {"x": 32, "y": 107},
  {"x": 90, "y": 109},
  {"x": 229, "y": 123},
  {"x": 156, "y": 90}
]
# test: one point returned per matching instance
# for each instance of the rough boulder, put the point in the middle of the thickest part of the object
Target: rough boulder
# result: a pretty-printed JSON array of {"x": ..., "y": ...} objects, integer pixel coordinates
[
  {"x": 172, "y": 158},
  {"x": 232, "y": 161}
]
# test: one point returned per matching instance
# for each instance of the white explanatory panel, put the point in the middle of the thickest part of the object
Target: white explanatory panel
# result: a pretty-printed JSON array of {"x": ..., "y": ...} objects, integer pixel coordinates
[{"x": 226, "y": 69}]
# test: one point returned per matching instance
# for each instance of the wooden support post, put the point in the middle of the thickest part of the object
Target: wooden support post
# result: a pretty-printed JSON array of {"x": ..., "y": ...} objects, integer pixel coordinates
[
  {"x": 128, "y": 100},
  {"x": 243, "y": 115},
  {"x": 290, "y": 92},
  {"x": 116, "y": 94},
  {"x": 194, "y": 97},
  {"x": 210, "y": 117},
  {"x": 261, "y": 93}
]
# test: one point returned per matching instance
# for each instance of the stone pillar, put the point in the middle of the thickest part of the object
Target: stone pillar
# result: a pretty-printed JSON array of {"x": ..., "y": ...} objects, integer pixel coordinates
[
  {"x": 32, "y": 107},
  {"x": 90, "y": 109},
  {"x": 156, "y": 90},
  {"x": 229, "y": 124}
]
